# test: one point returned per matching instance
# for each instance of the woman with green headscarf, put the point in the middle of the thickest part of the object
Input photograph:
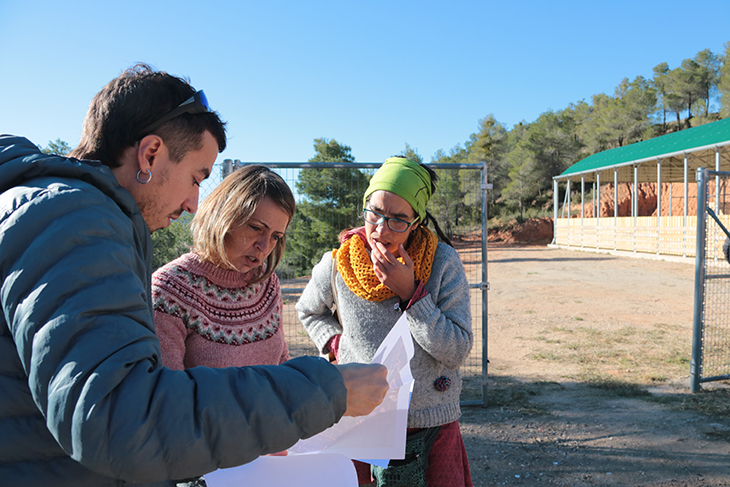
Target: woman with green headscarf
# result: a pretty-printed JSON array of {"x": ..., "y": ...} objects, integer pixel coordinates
[{"x": 391, "y": 264}]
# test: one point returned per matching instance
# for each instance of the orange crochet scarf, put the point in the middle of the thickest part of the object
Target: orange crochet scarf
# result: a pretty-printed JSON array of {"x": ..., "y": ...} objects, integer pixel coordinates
[{"x": 356, "y": 268}]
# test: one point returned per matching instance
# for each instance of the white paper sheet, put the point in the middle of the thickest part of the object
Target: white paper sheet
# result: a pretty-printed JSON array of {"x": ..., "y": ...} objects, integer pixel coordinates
[
  {"x": 298, "y": 470},
  {"x": 379, "y": 436},
  {"x": 382, "y": 433}
]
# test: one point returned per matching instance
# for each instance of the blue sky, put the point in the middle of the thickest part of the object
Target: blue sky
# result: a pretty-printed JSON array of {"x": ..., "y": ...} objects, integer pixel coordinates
[{"x": 374, "y": 75}]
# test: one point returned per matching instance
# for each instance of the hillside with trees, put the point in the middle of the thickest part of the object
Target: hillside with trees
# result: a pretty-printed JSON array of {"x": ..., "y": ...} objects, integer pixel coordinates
[{"x": 521, "y": 161}]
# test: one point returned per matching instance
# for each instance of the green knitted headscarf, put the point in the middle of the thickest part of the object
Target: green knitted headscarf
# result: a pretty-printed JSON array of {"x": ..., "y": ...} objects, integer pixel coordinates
[{"x": 405, "y": 178}]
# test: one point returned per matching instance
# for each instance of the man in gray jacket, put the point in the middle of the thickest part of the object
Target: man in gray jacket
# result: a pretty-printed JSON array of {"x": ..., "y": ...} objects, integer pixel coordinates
[{"x": 84, "y": 400}]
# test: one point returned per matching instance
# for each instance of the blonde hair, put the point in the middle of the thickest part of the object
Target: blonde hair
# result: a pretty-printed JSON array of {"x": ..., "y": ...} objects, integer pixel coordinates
[{"x": 231, "y": 205}]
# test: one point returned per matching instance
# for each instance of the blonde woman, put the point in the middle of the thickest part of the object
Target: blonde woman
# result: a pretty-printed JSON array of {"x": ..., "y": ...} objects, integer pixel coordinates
[{"x": 220, "y": 305}]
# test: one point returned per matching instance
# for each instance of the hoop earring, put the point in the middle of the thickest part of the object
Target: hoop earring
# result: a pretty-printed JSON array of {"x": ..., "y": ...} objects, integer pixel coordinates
[{"x": 148, "y": 179}]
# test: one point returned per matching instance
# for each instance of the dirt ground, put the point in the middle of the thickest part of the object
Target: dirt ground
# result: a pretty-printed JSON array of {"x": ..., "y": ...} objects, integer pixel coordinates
[{"x": 589, "y": 376}]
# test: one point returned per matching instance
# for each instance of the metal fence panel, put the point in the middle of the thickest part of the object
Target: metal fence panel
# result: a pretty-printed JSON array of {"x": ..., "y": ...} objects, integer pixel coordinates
[
  {"x": 458, "y": 207},
  {"x": 711, "y": 336}
]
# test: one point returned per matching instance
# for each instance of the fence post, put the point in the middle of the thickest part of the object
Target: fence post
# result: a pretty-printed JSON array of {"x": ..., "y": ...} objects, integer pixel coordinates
[
  {"x": 695, "y": 366},
  {"x": 227, "y": 168},
  {"x": 485, "y": 281}
]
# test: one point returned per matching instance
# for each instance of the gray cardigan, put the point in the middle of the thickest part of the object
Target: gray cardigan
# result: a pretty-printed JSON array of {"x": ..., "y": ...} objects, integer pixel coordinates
[{"x": 440, "y": 324}]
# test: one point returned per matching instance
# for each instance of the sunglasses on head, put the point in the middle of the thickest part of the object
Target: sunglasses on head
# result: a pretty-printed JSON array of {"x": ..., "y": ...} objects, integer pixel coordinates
[{"x": 198, "y": 103}]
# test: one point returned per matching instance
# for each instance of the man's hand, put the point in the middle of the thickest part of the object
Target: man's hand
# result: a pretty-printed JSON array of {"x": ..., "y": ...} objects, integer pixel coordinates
[{"x": 367, "y": 385}]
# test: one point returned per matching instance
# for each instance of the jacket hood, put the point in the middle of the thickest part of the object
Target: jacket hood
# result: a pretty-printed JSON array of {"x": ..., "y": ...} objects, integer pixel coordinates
[{"x": 21, "y": 161}]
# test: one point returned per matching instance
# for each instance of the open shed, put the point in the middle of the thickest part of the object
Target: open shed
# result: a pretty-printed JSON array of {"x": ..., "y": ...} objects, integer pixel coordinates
[{"x": 641, "y": 197}]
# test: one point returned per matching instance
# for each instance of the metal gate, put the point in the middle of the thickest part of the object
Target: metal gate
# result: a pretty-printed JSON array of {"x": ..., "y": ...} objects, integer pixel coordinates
[
  {"x": 459, "y": 206},
  {"x": 711, "y": 335}
]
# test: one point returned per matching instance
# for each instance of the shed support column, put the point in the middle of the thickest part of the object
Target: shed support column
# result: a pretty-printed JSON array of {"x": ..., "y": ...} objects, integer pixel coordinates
[
  {"x": 686, "y": 193},
  {"x": 670, "y": 198},
  {"x": 555, "y": 210},
  {"x": 686, "y": 190},
  {"x": 635, "y": 195},
  {"x": 597, "y": 213},
  {"x": 658, "y": 202},
  {"x": 582, "y": 205},
  {"x": 658, "y": 189},
  {"x": 717, "y": 181},
  {"x": 635, "y": 203},
  {"x": 615, "y": 207},
  {"x": 593, "y": 200}
]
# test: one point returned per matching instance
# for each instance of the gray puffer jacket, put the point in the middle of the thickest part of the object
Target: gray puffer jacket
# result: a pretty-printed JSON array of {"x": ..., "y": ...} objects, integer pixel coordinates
[{"x": 84, "y": 400}]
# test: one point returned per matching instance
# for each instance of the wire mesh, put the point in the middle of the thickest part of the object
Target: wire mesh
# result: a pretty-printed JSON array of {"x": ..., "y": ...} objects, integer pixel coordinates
[{"x": 714, "y": 363}]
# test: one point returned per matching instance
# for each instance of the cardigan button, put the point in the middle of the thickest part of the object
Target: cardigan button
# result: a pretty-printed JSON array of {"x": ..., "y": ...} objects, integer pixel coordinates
[{"x": 442, "y": 383}]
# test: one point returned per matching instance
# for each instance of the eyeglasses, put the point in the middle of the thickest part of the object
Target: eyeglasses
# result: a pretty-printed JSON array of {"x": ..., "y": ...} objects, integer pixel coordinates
[
  {"x": 395, "y": 224},
  {"x": 198, "y": 103}
]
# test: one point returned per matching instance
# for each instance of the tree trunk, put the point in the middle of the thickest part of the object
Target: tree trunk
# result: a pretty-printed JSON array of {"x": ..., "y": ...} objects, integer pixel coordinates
[{"x": 689, "y": 110}]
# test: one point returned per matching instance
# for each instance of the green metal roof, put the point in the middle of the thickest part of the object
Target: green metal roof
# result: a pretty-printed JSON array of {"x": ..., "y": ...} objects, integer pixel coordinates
[{"x": 705, "y": 136}]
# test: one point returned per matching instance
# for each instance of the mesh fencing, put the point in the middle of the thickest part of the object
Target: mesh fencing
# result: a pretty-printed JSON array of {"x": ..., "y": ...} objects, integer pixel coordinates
[
  {"x": 329, "y": 200},
  {"x": 711, "y": 341}
]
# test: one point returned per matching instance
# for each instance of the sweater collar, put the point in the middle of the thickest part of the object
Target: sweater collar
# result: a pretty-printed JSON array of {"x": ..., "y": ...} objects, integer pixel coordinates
[{"x": 218, "y": 275}]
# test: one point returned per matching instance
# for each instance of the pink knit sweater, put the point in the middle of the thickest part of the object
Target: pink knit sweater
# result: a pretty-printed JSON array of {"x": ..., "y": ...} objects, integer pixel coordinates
[{"x": 208, "y": 316}]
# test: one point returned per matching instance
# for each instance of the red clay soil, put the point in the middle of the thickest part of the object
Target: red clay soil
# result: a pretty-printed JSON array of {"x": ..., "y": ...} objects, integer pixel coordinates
[
  {"x": 535, "y": 231},
  {"x": 646, "y": 198}
]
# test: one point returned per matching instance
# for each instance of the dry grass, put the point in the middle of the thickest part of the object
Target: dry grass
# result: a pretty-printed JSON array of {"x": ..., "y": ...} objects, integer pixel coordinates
[
  {"x": 616, "y": 354},
  {"x": 622, "y": 361}
]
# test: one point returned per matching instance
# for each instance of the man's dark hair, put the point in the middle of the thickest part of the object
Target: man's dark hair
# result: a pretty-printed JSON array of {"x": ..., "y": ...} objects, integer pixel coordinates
[{"x": 132, "y": 101}]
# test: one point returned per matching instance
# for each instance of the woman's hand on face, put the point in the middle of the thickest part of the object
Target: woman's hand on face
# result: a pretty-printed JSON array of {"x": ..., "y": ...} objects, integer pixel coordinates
[{"x": 398, "y": 277}]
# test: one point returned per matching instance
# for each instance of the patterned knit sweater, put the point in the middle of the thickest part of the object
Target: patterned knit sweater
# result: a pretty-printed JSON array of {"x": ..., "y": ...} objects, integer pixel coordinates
[
  {"x": 208, "y": 316},
  {"x": 440, "y": 324}
]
